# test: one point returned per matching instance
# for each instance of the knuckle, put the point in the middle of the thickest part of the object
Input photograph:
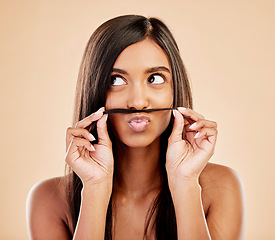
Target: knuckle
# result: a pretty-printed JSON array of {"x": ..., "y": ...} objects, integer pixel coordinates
[
  {"x": 189, "y": 111},
  {"x": 215, "y": 124},
  {"x": 201, "y": 121},
  {"x": 69, "y": 129},
  {"x": 69, "y": 135}
]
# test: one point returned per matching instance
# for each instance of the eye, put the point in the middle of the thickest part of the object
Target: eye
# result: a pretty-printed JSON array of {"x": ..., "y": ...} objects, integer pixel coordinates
[
  {"x": 156, "y": 79},
  {"x": 117, "y": 81}
]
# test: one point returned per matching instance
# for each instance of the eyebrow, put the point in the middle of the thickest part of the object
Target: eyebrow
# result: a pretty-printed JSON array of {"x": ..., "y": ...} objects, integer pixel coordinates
[{"x": 148, "y": 70}]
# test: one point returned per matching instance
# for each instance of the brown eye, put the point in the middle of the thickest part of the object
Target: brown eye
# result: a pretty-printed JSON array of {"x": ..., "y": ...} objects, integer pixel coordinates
[
  {"x": 156, "y": 79},
  {"x": 117, "y": 81}
]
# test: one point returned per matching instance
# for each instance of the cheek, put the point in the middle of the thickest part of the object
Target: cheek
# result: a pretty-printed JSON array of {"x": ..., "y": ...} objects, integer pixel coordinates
[
  {"x": 117, "y": 122},
  {"x": 163, "y": 98},
  {"x": 164, "y": 121},
  {"x": 115, "y": 100},
  {"x": 108, "y": 103}
]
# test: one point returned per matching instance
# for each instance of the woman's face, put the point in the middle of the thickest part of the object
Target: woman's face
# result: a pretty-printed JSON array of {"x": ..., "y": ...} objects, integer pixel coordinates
[{"x": 141, "y": 79}]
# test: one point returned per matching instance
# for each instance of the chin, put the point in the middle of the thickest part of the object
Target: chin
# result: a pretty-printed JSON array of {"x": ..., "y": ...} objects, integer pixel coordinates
[{"x": 140, "y": 141}]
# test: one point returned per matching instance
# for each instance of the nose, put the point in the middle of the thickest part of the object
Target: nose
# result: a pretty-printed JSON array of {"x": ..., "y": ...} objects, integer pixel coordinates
[{"x": 138, "y": 97}]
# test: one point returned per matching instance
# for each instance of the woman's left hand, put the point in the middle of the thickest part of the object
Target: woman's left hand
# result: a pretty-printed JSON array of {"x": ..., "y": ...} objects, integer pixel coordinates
[{"x": 187, "y": 156}]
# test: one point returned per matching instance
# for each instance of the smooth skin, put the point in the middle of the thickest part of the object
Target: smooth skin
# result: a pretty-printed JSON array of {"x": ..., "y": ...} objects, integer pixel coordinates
[{"x": 208, "y": 198}]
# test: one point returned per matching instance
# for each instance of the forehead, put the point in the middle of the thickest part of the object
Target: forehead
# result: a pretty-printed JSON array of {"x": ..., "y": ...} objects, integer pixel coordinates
[{"x": 143, "y": 54}]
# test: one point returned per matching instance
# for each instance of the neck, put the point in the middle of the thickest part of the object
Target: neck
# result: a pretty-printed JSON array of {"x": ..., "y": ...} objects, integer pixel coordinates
[{"x": 138, "y": 171}]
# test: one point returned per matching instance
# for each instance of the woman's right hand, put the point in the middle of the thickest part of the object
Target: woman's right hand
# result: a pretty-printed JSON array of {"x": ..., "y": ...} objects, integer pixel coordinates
[{"x": 92, "y": 163}]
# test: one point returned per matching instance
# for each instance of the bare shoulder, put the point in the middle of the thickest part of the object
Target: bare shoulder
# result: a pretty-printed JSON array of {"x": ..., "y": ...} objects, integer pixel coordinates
[
  {"x": 49, "y": 193},
  {"x": 218, "y": 176},
  {"x": 223, "y": 200},
  {"x": 218, "y": 182},
  {"x": 47, "y": 210}
]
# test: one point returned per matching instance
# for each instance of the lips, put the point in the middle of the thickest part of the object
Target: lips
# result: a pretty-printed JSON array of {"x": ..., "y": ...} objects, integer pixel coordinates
[{"x": 139, "y": 123}]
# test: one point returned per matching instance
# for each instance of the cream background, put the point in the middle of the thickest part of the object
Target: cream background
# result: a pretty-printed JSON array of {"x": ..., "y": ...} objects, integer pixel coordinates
[{"x": 227, "y": 46}]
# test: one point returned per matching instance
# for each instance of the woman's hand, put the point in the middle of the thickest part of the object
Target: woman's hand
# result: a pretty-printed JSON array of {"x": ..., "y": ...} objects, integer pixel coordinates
[
  {"x": 92, "y": 163},
  {"x": 187, "y": 157}
]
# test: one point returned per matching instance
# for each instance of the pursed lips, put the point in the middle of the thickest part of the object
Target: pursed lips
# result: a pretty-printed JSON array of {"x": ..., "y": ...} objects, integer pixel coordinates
[{"x": 139, "y": 123}]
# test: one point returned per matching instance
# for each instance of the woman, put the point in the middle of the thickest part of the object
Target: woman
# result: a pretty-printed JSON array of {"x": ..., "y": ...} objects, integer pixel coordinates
[{"x": 139, "y": 175}]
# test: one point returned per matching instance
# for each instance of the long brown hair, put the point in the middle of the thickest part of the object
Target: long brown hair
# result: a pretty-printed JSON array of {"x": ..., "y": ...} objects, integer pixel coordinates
[{"x": 102, "y": 50}]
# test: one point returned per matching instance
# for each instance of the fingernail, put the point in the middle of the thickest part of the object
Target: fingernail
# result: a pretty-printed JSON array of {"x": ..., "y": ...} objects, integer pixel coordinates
[
  {"x": 181, "y": 108},
  {"x": 197, "y": 135},
  {"x": 93, "y": 149},
  {"x": 92, "y": 137},
  {"x": 106, "y": 116},
  {"x": 174, "y": 112},
  {"x": 99, "y": 110},
  {"x": 193, "y": 125}
]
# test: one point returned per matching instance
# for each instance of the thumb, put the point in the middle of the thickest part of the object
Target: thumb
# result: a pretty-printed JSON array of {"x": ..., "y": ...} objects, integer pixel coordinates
[
  {"x": 178, "y": 126},
  {"x": 103, "y": 136}
]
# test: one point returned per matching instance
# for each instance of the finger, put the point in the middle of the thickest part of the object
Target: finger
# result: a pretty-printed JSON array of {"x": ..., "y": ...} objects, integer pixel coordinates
[
  {"x": 177, "y": 130},
  {"x": 81, "y": 142},
  {"x": 74, "y": 147},
  {"x": 103, "y": 136},
  {"x": 190, "y": 113},
  {"x": 77, "y": 132},
  {"x": 207, "y": 133},
  {"x": 90, "y": 119},
  {"x": 202, "y": 124}
]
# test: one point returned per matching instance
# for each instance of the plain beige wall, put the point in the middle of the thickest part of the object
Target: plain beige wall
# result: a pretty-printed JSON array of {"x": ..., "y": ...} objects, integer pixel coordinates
[{"x": 227, "y": 46}]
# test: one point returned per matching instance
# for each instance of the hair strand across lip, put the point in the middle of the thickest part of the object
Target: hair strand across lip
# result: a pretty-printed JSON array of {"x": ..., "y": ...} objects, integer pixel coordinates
[{"x": 125, "y": 110}]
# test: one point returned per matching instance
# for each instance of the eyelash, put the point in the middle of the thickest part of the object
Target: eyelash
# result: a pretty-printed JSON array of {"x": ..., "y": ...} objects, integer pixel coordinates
[
  {"x": 158, "y": 74},
  {"x": 113, "y": 77},
  {"x": 154, "y": 74}
]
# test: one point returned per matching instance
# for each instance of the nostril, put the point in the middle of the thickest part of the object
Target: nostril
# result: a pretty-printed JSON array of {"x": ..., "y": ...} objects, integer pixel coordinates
[
  {"x": 136, "y": 108},
  {"x": 137, "y": 100}
]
